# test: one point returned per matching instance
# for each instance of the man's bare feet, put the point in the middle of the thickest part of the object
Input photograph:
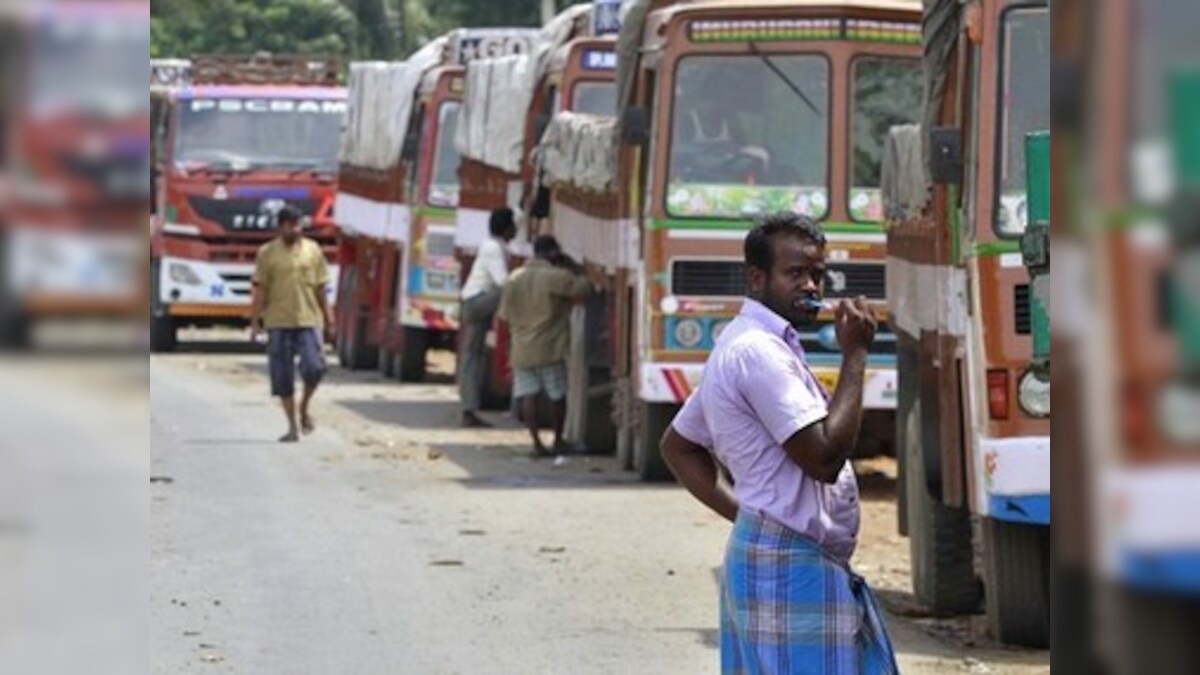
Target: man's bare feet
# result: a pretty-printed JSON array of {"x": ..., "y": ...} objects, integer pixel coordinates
[
  {"x": 540, "y": 451},
  {"x": 289, "y": 437},
  {"x": 473, "y": 421},
  {"x": 307, "y": 424}
]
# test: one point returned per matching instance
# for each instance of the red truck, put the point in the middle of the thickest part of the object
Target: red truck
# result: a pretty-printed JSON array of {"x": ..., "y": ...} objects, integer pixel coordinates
[
  {"x": 397, "y": 201},
  {"x": 569, "y": 68},
  {"x": 244, "y": 137},
  {"x": 74, "y": 164}
]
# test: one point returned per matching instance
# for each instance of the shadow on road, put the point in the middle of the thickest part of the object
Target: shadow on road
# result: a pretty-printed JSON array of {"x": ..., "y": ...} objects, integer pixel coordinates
[
  {"x": 708, "y": 637},
  {"x": 876, "y": 486},
  {"x": 244, "y": 346}
]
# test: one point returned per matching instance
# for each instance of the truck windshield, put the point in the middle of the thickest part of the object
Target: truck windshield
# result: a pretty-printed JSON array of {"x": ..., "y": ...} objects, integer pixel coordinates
[
  {"x": 595, "y": 98},
  {"x": 1024, "y": 107},
  {"x": 749, "y": 134},
  {"x": 94, "y": 66},
  {"x": 887, "y": 92},
  {"x": 243, "y": 134},
  {"x": 443, "y": 188}
]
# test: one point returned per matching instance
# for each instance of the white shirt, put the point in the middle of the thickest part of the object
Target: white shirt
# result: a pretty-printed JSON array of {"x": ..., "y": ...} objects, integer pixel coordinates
[{"x": 489, "y": 271}]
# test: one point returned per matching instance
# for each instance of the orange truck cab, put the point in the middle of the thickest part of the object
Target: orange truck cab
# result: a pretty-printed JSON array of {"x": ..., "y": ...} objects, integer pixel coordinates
[
  {"x": 231, "y": 155},
  {"x": 973, "y": 423},
  {"x": 729, "y": 110}
]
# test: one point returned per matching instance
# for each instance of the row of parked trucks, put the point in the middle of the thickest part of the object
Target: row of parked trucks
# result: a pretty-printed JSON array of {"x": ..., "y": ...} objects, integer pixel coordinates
[{"x": 647, "y": 146}]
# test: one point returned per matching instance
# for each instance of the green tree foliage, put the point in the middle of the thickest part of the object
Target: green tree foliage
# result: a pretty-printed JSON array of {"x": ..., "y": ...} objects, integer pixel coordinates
[
  {"x": 181, "y": 28},
  {"x": 350, "y": 29},
  {"x": 480, "y": 13}
]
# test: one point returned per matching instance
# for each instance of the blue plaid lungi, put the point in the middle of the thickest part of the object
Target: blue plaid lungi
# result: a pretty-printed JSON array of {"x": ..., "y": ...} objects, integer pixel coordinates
[{"x": 788, "y": 608}]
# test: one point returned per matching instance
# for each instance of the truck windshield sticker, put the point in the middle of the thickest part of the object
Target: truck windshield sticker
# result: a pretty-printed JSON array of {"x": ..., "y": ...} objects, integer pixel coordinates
[{"x": 737, "y": 201}]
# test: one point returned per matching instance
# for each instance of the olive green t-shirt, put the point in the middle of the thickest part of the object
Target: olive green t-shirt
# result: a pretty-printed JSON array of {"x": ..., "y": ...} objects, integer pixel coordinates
[
  {"x": 536, "y": 303},
  {"x": 291, "y": 280}
]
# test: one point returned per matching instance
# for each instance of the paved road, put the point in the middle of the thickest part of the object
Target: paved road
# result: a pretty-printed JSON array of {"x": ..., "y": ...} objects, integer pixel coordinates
[{"x": 390, "y": 541}]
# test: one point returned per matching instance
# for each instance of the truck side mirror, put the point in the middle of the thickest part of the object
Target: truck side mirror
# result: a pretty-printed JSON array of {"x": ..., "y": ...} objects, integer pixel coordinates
[
  {"x": 412, "y": 140},
  {"x": 539, "y": 126},
  {"x": 945, "y": 155},
  {"x": 635, "y": 126}
]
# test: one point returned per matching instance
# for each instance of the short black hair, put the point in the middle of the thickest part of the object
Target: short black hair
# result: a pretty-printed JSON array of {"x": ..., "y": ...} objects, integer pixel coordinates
[
  {"x": 501, "y": 221},
  {"x": 545, "y": 246},
  {"x": 758, "y": 246},
  {"x": 288, "y": 214}
]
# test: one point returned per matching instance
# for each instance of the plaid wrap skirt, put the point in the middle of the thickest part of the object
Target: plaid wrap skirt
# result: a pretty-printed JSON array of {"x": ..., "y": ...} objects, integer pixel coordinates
[{"x": 788, "y": 608}]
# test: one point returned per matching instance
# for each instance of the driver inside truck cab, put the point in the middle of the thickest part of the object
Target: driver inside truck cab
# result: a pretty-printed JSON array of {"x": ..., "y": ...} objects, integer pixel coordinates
[{"x": 709, "y": 126}]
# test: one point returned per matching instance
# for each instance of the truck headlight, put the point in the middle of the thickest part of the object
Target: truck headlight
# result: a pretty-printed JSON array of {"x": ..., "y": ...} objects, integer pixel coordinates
[
  {"x": 1179, "y": 413},
  {"x": 181, "y": 273},
  {"x": 719, "y": 327},
  {"x": 1033, "y": 393},
  {"x": 688, "y": 333}
]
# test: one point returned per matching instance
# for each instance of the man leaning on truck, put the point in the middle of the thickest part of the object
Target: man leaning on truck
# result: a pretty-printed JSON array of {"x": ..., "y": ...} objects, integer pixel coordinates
[{"x": 290, "y": 275}]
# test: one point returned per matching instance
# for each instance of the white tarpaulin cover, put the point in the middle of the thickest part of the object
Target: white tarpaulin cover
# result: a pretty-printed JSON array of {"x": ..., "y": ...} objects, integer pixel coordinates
[
  {"x": 381, "y": 96},
  {"x": 491, "y": 127},
  {"x": 904, "y": 184},
  {"x": 577, "y": 150}
]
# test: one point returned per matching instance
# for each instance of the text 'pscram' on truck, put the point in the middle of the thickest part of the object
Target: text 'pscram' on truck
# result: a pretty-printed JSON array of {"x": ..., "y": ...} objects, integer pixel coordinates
[{"x": 236, "y": 140}]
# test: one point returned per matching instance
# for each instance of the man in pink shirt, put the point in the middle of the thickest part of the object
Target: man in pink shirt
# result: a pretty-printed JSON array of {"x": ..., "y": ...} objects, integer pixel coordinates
[{"x": 789, "y": 602}]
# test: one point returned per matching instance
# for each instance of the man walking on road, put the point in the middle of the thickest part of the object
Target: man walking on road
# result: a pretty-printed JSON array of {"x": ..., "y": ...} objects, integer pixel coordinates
[
  {"x": 789, "y": 601},
  {"x": 289, "y": 301},
  {"x": 537, "y": 306},
  {"x": 481, "y": 297}
]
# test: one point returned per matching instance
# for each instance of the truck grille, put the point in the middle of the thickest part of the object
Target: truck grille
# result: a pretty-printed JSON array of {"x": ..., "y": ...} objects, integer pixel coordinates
[
  {"x": 850, "y": 280},
  {"x": 117, "y": 177},
  {"x": 245, "y": 215},
  {"x": 728, "y": 278},
  {"x": 439, "y": 245},
  {"x": 708, "y": 278},
  {"x": 1021, "y": 312}
]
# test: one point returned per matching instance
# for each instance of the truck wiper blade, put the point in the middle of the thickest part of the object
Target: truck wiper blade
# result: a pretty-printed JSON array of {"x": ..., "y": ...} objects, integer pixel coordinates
[{"x": 783, "y": 76}]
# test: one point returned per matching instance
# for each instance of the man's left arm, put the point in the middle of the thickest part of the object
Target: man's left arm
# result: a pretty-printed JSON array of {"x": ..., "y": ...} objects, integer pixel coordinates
[
  {"x": 696, "y": 469},
  {"x": 322, "y": 289}
]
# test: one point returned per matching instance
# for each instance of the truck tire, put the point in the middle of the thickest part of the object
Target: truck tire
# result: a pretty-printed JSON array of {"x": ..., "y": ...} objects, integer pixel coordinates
[
  {"x": 648, "y": 462},
  {"x": 625, "y": 449},
  {"x": 362, "y": 355},
  {"x": 345, "y": 310},
  {"x": 387, "y": 363},
  {"x": 939, "y": 537},
  {"x": 489, "y": 399},
  {"x": 599, "y": 434},
  {"x": 412, "y": 356},
  {"x": 1017, "y": 573},
  {"x": 163, "y": 331},
  {"x": 163, "y": 335}
]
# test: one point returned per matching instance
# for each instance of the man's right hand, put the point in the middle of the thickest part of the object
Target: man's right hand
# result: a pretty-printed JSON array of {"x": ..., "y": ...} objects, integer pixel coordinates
[
  {"x": 855, "y": 325},
  {"x": 256, "y": 330}
]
